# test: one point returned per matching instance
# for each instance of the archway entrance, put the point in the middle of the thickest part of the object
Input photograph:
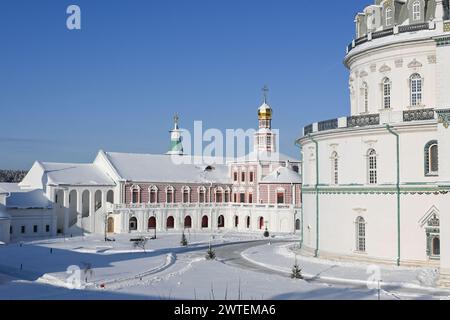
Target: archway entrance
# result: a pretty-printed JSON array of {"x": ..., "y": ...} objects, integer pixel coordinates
[
  {"x": 133, "y": 224},
  {"x": 170, "y": 223},
  {"x": 188, "y": 222},
  {"x": 205, "y": 222},
  {"x": 152, "y": 223},
  {"x": 110, "y": 227},
  {"x": 221, "y": 222}
]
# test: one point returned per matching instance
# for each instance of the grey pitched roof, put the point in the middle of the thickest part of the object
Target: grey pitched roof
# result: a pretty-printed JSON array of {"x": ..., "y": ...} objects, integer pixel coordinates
[{"x": 167, "y": 168}]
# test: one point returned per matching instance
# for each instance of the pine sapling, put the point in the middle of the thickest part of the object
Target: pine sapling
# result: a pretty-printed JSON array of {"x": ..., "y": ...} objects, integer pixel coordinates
[
  {"x": 210, "y": 254},
  {"x": 183, "y": 241},
  {"x": 296, "y": 271}
]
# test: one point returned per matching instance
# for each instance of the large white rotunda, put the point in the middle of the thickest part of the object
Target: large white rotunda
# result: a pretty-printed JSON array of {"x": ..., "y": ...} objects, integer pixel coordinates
[{"x": 376, "y": 183}]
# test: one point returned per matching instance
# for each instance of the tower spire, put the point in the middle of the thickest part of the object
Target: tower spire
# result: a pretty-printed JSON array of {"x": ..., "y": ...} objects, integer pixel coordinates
[{"x": 265, "y": 91}]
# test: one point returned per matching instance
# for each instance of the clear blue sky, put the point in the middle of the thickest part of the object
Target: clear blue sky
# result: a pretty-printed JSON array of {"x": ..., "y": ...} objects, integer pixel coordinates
[{"x": 115, "y": 84}]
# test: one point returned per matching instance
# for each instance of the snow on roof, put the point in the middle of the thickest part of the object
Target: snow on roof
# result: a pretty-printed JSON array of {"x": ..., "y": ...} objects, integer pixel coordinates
[
  {"x": 9, "y": 187},
  {"x": 76, "y": 174},
  {"x": 167, "y": 168},
  {"x": 28, "y": 199},
  {"x": 283, "y": 175},
  {"x": 24, "y": 198},
  {"x": 266, "y": 156}
]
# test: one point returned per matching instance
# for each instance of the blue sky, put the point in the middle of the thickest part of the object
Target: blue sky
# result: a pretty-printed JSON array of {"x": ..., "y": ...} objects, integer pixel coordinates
[{"x": 115, "y": 84}]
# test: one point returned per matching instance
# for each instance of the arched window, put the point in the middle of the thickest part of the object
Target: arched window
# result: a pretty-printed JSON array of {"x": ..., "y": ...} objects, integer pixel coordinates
[
  {"x": 431, "y": 158},
  {"x": 334, "y": 168},
  {"x": 170, "y": 223},
  {"x": 186, "y": 195},
  {"x": 219, "y": 195},
  {"x": 205, "y": 222},
  {"x": 201, "y": 195},
  {"x": 188, "y": 222},
  {"x": 389, "y": 16},
  {"x": 360, "y": 234},
  {"x": 261, "y": 223},
  {"x": 386, "y": 93},
  {"x": 133, "y": 224},
  {"x": 227, "y": 195},
  {"x": 152, "y": 223},
  {"x": 416, "y": 83},
  {"x": 221, "y": 222},
  {"x": 297, "y": 224},
  {"x": 135, "y": 194},
  {"x": 372, "y": 166},
  {"x": 153, "y": 194},
  {"x": 365, "y": 92},
  {"x": 416, "y": 11},
  {"x": 170, "y": 195}
]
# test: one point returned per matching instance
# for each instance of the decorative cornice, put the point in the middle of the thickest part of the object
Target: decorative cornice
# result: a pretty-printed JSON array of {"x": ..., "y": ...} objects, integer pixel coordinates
[
  {"x": 385, "y": 68},
  {"x": 414, "y": 64},
  {"x": 444, "y": 117},
  {"x": 363, "y": 74}
]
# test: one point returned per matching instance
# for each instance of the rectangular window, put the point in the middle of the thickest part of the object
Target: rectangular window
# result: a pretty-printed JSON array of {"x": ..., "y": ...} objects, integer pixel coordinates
[
  {"x": 387, "y": 95},
  {"x": 47, "y": 228},
  {"x": 250, "y": 198},
  {"x": 235, "y": 177},
  {"x": 280, "y": 198},
  {"x": 201, "y": 197},
  {"x": 227, "y": 196},
  {"x": 35, "y": 228},
  {"x": 135, "y": 196},
  {"x": 22, "y": 229},
  {"x": 242, "y": 198},
  {"x": 10, "y": 230},
  {"x": 243, "y": 176},
  {"x": 235, "y": 198},
  {"x": 251, "y": 177}
]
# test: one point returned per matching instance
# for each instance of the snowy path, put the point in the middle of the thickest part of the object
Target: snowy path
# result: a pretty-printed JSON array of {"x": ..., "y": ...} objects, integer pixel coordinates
[{"x": 277, "y": 258}]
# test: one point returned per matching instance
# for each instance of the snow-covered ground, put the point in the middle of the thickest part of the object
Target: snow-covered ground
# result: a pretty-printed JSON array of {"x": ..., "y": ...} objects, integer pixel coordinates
[{"x": 48, "y": 269}]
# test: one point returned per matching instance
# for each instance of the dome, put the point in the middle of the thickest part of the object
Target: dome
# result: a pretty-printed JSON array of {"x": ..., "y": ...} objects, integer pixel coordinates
[{"x": 265, "y": 112}]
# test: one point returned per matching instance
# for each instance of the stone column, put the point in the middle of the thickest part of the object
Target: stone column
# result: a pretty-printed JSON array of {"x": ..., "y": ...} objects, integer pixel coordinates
[
  {"x": 92, "y": 211},
  {"x": 80, "y": 210},
  {"x": 66, "y": 211}
]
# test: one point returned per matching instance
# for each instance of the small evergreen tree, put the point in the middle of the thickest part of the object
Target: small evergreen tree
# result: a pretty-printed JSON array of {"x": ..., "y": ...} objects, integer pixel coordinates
[
  {"x": 266, "y": 233},
  {"x": 296, "y": 271},
  {"x": 210, "y": 254},
  {"x": 183, "y": 241}
]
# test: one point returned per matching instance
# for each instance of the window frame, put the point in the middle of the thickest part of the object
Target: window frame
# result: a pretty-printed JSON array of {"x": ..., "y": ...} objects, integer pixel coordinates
[
  {"x": 361, "y": 235},
  {"x": 428, "y": 159},
  {"x": 416, "y": 90},
  {"x": 416, "y": 10},
  {"x": 372, "y": 167},
  {"x": 387, "y": 93},
  {"x": 334, "y": 168}
]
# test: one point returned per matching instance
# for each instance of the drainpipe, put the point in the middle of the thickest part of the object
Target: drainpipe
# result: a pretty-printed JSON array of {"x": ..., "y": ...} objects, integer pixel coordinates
[
  {"x": 389, "y": 128},
  {"x": 316, "y": 254},
  {"x": 301, "y": 199}
]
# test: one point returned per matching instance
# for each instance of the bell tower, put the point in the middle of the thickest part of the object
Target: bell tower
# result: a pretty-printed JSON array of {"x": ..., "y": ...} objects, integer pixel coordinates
[
  {"x": 265, "y": 138},
  {"x": 176, "y": 145}
]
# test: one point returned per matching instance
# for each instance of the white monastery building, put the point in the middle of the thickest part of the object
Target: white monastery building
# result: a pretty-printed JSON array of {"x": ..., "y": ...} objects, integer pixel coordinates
[
  {"x": 139, "y": 193},
  {"x": 376, "y": 183}
]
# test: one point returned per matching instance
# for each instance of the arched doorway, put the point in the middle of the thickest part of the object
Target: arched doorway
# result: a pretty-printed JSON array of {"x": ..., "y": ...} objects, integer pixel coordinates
[
  {"x": 436, "y": 246},
  {"x": 236, "y": 221},
  {"x": 221, "y": 222},
  {"x": 170, "y": 223},
  {"x": 205, "y": 223},
  {"x": 187, "y": 222},
  {"x": 248, "y": 222},
  {"x": 297, "y": 224},
  {"x": 152, "y": 223},
  {"x": 133, "y": 225},
  {"x": 261, "y": 223},
  {"x": 110, "y": 227}
]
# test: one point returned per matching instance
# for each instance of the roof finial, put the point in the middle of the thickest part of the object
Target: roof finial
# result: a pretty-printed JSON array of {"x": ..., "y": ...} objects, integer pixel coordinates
[
  {"x": 265, "y": 90},
  {"x": 176, "y": 119}
]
